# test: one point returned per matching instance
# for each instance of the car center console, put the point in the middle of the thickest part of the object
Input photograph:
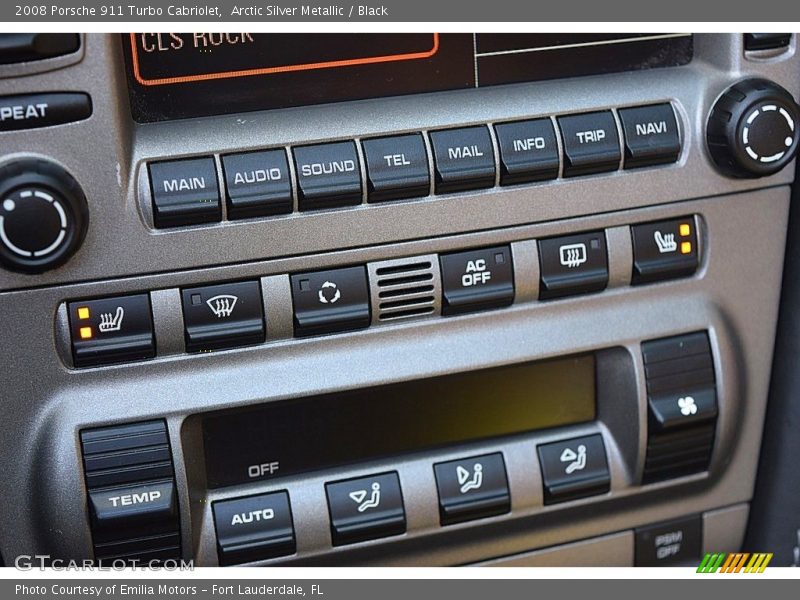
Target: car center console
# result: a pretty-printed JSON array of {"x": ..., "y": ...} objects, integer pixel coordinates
[{"x": 424, "y": 299}]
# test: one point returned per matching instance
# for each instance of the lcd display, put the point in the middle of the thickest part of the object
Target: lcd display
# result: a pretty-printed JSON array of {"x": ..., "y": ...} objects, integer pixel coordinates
[
  {"x": 286, "y": 438},
  {"x": 179, "y": 75}
]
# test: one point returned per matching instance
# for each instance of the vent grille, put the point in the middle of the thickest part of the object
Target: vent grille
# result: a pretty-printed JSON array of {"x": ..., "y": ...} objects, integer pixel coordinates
[{"x": 408, "y": 288}]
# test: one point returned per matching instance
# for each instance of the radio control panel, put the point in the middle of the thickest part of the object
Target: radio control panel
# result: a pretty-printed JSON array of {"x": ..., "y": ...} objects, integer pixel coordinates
[{"x": 457, "y": 321}]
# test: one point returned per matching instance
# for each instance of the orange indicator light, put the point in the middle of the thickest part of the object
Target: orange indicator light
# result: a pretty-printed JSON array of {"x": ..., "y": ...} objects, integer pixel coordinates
[
  {"x": 83, "y": 312},
  {"x": 684, "y": 229},
  {"x": 686, "y": 247},
  {"x": 86, "y": 333}
]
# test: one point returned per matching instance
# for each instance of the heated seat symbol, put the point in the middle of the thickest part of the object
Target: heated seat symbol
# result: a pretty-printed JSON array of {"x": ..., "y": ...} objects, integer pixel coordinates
[
  {"x": 665, "y": 242},
  {"x": 222, "y": 305},
  {"x": 111, "y": 321}
]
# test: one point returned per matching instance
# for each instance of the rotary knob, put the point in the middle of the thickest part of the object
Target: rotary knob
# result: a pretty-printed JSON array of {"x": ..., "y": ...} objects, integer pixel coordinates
[
  {"x": 753, "y": 129},
  {"x": 43, "y": 216}
]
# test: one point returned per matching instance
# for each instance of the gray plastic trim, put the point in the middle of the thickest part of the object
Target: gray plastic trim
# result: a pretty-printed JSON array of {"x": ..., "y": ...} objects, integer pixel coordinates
[
  {"x": 615, "y": 550},
  {"x": 723, "y": 529}
]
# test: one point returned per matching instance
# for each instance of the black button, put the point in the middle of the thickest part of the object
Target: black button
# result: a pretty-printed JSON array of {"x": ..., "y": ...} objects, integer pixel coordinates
[
  {"x": 651, "y": 135},
  {"x": 679, "y": 346},
  {"x": 397, "y": 167},
  {"x": 365, "y": 509},
  {"x": 477, "y": 280},
  {"x": 185, "y": 192},
  {"x": 528, "y": 151},
  {"x": 223, "y": 316},
  {"x": 675, "y": 542},
  {"x": 43, "y": 110},
  {"x": 330, "y": 301},
  {"x": 111, "y": 330},
  {"x": 591, "y": 143},
  {"x": 254, "y": 528},
  {"x": 149, "y": 505},
  {"x": 472, "y": 488},
  {"x": 664, "y": 250},
  {"x": 257, "y": 184},
  {"x": 574, "y": 469},
  {"x": 669, "y": 410},
  {"x": 575, "y": 264},
  {"x": 25, "y": 47},
  {"x": 766, "y": 41},
  {"x": 328, "y": 175},
  {"x": 464, "y": 159}
]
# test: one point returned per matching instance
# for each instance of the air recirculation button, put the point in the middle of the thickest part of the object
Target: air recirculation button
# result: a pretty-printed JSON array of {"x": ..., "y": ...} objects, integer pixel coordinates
[{"x": 132, "y": 497}]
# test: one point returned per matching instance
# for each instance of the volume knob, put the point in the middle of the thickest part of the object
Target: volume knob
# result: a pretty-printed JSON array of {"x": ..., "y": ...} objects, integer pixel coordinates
[
  {"x": 43, "y": 215},
  {"x": 753, "y": 129}
]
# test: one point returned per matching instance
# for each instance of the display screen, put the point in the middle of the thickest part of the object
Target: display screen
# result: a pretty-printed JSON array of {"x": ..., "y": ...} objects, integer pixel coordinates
[
  {"x": 297, "y": 436},
  {"x": 180, "y": 75}
]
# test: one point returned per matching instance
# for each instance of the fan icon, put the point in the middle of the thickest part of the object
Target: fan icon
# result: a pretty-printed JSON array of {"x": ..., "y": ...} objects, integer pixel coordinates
[{"x": 687, "y": 406}]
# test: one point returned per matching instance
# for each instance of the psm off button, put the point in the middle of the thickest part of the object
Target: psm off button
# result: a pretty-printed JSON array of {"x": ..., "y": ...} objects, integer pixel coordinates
[
  {"x": 185, "y": 192},
  {"x": 477, "y": 280},
  {"x": 673, "y": 543}
]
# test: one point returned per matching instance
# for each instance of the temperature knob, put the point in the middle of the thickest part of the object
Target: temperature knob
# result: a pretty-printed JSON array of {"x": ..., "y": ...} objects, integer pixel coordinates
[
  {"x": 43, "y": 216},
  {"x": 753, "y": 129}
]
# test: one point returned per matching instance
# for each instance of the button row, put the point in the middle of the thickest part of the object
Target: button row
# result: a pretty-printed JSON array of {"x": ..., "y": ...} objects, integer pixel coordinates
[
  {"x": 260, "y": 527},
  {"x": 329, "y": 175},
  {"x": 228, "y": 315}
]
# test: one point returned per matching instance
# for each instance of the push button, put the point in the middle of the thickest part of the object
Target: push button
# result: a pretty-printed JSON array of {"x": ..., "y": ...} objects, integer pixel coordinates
[
  {"x": 651, "y": 135},
  {"x": 150, "y": 505},
  {"x": 684, "y": 408},
  {"x": 223, "y": 316},
  {"x": 591, "y": 143},
  {"x": 397, "y": 167},
  {"x": 253, "y": 528},
  {"x": 365, "y": 509},
  {"x": 575, "y": 264},
  {"x": 185, "y": 192},
  {"x": 43, "y": 110},
  {"x": 464, "y": 159},
  {"x": 574, "y": 469},
  {"x": 327, "y": 175},
  {"x": 24, "y": 47},
  {"x": 664, "y": 250},
  {"x": 675, "y": 542},
  {"x": 330, "y": 301},
  {"x": 111, "y": 330},
  {"x": 257, "y": 184},
  {"x": 477, "y": 280},
  {"x": 528, "y": 151},
  {"x": 472, "y": 488}
]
